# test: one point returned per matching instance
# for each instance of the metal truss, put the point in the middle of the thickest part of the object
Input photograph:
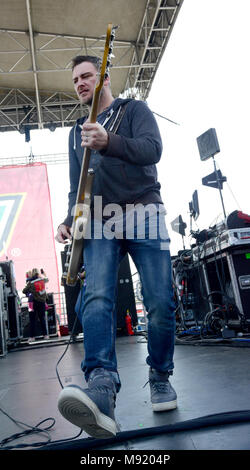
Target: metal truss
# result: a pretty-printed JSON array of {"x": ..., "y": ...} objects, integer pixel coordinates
[
  {"x": 36, "y": 54},
  {"x": 49, "y": 159},
  {"x": 155, "y": 30},
  {"x": 19, "y": 109}
]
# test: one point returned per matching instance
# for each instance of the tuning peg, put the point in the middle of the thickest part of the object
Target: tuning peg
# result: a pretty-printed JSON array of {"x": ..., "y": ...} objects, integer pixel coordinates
[{"x": 112, "y": 35}]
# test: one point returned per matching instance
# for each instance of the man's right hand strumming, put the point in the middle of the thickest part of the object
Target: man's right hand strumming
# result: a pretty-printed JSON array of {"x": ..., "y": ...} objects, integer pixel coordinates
[{"x": 63, "y": 234}]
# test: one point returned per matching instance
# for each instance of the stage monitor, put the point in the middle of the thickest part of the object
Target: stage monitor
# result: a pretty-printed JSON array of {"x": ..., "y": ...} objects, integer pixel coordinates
[{"x": 208, "y": 144}]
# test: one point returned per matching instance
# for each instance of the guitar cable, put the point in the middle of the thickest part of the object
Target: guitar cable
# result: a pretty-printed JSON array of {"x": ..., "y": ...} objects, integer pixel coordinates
[{"x": 37, "y": 428}]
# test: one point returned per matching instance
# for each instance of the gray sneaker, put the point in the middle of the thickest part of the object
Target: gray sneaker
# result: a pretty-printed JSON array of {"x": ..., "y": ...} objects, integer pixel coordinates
[
  {"x": 91, "y": 409},
  {"x": 163, "y": 396}
]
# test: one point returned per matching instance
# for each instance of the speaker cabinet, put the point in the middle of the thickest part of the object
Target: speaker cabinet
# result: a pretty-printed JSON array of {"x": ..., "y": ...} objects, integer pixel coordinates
[{"x": 13, "y": 317}]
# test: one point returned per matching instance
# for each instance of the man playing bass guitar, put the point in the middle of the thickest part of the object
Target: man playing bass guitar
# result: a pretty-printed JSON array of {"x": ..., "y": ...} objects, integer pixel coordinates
[{"x": 125, "y": 177}]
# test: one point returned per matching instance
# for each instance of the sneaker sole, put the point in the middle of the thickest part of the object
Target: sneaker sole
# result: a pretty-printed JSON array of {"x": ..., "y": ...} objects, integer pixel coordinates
[
  {"x": 79, "y": 409},
  {"x": 165, "y": 406}
]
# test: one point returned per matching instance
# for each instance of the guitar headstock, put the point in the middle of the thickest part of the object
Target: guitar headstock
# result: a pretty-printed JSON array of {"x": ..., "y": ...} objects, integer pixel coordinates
[{"x": 110, "y": 36}]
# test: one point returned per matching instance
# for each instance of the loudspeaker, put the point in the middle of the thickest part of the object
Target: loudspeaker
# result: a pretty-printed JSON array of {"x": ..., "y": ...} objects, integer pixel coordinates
[
  {"x": 25, "y": 324},
  {"x": 51, "y": 319},
  {"x": 13, "y": 317},
  {"x": 50, "y": 298},
  {"x": 208, "y": 144}
]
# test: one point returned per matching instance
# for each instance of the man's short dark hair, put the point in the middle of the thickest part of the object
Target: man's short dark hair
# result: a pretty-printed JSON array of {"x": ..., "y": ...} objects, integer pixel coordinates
[{"x": 96, "y": 61}]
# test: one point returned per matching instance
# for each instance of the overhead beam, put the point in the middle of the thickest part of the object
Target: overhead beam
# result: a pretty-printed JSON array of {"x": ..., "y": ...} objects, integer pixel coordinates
[
  {"x": 32, "y": 49},
  {"x": 68, "y": 69},
  {"x": 161, "y": 24},
  {"x": 118, "y": 42},
  {"x": 137, "y": 60},
  {"x": 59, "y": 108}
]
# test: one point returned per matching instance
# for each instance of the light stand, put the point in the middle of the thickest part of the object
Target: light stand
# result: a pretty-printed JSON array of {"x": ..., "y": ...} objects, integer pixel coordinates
[{"x": 219, "y": 185}]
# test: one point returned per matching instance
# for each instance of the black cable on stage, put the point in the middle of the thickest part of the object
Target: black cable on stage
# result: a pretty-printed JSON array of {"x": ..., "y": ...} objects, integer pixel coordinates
[
  {"x": 36, "y": 428},
  {"x": 218, "y": 419},
  {"x": 91, "y": 443},
  {"x": 31, "y": 430},
  {"x": 66, "y": 349}
]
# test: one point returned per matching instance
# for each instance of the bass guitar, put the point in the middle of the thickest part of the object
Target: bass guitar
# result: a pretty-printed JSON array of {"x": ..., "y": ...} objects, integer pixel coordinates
[{"x": 83, "y": 198}]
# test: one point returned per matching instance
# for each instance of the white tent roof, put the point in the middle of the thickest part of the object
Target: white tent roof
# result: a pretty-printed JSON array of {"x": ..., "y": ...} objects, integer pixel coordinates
[{"x": 39, "y": 38}]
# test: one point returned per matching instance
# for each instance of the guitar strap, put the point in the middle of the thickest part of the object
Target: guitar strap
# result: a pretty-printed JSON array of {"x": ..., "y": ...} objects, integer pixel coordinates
[{"x": 115, "y": 122}]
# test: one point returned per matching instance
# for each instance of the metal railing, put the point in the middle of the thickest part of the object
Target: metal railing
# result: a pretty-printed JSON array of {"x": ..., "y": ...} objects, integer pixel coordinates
[{"x": 59, "y": 304}]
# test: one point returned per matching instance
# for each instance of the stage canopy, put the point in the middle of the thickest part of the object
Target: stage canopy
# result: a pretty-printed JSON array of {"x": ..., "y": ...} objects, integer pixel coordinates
[{"x": 39, "y": 38}]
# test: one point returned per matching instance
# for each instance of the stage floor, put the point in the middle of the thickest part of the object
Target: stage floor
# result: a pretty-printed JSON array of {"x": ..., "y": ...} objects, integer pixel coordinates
[{"x": 208, "y": 379}]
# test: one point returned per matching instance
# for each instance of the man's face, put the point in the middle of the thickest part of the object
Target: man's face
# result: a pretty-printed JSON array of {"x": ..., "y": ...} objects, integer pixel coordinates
[{"x": 84, "y": 78}]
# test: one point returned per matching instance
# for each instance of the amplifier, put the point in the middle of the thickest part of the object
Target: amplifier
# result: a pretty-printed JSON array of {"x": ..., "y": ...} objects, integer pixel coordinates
[{"x": 224, "y": 240}]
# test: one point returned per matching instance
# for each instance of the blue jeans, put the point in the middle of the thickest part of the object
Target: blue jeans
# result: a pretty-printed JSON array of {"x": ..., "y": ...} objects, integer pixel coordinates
[{"x": 153, "y": 262}]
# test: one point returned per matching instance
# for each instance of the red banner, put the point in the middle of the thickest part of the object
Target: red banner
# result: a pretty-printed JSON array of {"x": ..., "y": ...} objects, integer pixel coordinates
[{"x": 26, "y": 228}]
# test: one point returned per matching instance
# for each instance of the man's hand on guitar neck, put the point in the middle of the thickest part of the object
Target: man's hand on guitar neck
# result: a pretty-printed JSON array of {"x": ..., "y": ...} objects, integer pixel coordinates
[
  {"x": 63, "y": 234},
  {"x": 94, "y": 136}
]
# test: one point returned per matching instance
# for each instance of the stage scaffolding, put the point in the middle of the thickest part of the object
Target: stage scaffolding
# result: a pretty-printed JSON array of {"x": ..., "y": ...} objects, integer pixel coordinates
[{"x": 49, "y": 159}]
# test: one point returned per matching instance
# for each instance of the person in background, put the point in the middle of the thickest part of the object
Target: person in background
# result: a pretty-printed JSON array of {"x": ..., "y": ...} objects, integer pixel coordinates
[{"x": 35, "y": 287}]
